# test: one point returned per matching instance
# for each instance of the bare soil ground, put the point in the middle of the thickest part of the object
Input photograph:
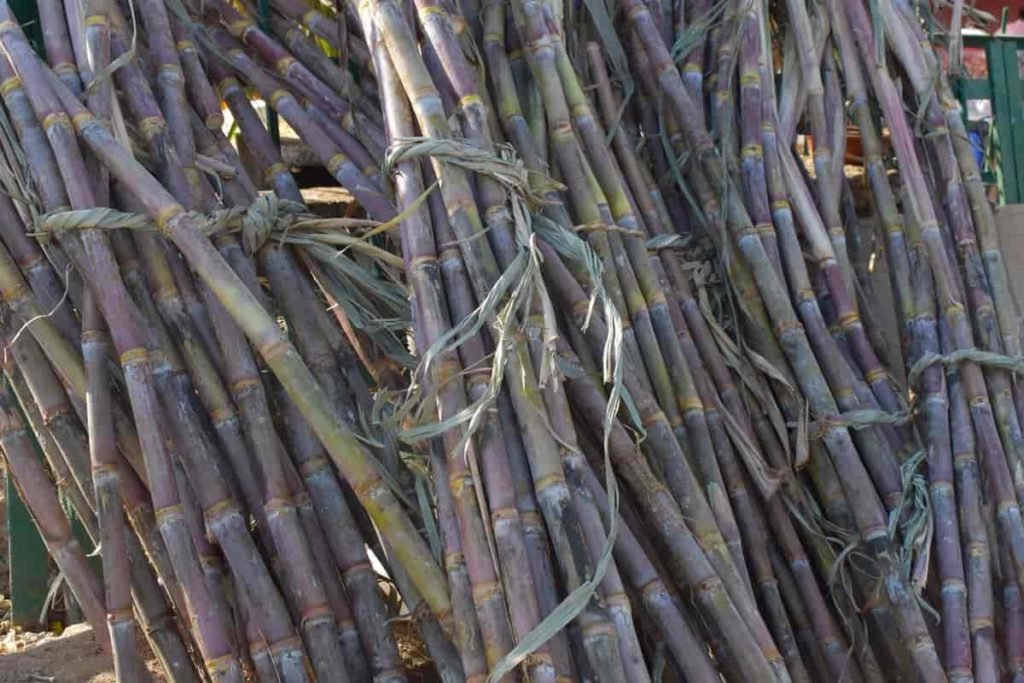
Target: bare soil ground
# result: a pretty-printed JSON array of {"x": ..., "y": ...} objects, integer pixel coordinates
[{"x": 72, "y": 657}]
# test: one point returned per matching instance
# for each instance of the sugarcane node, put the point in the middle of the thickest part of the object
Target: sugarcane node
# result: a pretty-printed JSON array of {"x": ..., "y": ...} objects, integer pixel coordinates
[
  {"x": 9, "y": 85},
  {"x": 277, "y": 505},
  {"x": 427, "y": 12},
  {"x": 228, "y": 86},
  {"x": 752, "y": 151},
  {"x": 168, "y": 514},
  {"x": 57, "y": 120},
  {"x": 52, "y": 412},
  {"x": 118, "y": 617},
  {"x": 284, "y": 64},
  {"x": 152, "y": 126},
  {"x": 692, "y": 404},
  {"x": 316, "y": 614},
  {"x": 486, "y": 591},
  {"x": 336, "y": 161},
  {"x": 219, "y": 666},
  {"x": 220, "y": 510},
  {"x": 104, "y": 470},
  {"x": 357, "y": 569}
]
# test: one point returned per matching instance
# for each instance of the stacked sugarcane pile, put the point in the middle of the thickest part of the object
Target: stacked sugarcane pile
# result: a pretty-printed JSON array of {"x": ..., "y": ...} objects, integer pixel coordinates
[{"x": 576, "y": 455}]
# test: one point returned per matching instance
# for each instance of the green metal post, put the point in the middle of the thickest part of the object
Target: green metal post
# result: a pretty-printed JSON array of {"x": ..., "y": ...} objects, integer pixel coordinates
[
  {"x": 29, "y": 563},
  {"x": 1015, "y": 98},
  {"x": 275, "y": 133}
]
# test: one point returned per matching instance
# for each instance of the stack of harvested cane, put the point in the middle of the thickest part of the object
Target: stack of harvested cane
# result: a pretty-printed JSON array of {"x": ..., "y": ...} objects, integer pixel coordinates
[{"x": 575, "y": 456}]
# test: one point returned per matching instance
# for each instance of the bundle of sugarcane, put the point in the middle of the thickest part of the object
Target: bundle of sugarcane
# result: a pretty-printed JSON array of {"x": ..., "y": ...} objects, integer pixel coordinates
[{"x": 574, "y": 454}]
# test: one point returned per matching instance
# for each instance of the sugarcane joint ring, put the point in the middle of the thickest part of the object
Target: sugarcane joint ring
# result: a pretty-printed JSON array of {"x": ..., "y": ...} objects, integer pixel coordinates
[
  {"x": 486, "y": 591},
  {"x": 849, "y": 320},
  {"x": 239, "y": 27},
  {"x": 120, "y": 616},
  {"x": 535, "y": 659},
  {"x": 165, "y": 218},
  {"x": 59, "y": 118},
  {"x": 316, "y": 614},
  {"x": 598, "y": 628},
  {"x": 135, "y": 356},
  {"x": 876, "y": 374},
  {"x": 171, "y": 72},
  {"x": 220, "y": 511},
  {"x": 980, "y": 623},
  {"x": 620, "y": 600},
  {"x": 103, "y": 469},
  {"x": 273, "y": 507},
  {"x": 752, "y": 151},
  {"x": 285, "y": 645},
  {"x": 428, "y": 11},
  {"x": 9, "y": 85},
  {"x": 228, "y": 86},
  {"x": 508, "y": 514},
  {"x": 313, "y": 466},
  {"x": 219, "y": 666},
  {"x": 788, "y": 326},
  {"x": 362, "y": 567},
  {"x": 152, "y": 126},
  {"x": 169, "y": 513},
  {"x": 243, "y": 385}
]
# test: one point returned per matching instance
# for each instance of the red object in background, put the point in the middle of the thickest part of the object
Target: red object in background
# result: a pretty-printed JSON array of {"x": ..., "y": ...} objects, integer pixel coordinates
[
  {"x": 993, "y": 7},
  {"x": 974, "y": 61}
]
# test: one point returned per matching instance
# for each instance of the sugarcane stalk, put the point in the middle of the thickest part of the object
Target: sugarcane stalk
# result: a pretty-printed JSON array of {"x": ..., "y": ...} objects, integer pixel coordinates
[
  {"x": 482, "y": 268},
  {"x": 40, "y": 498},
  {"x": 259, "y": 326},
  {"x": 870, "y": 521},
  {"x": 488, "y": 595},
  {"x": 949, "y": 300}
]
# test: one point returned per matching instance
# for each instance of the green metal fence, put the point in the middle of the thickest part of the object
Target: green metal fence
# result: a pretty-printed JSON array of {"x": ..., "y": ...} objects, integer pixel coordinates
[{"x": 1005, "y": 90}]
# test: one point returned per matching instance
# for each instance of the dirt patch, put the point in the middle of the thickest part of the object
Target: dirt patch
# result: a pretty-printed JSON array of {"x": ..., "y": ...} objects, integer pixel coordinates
[{"x": 72, "y": 657}]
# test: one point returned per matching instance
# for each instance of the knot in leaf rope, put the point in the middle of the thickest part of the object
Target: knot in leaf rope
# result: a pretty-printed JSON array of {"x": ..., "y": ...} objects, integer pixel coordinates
[{"x": 265, "y": 215}]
